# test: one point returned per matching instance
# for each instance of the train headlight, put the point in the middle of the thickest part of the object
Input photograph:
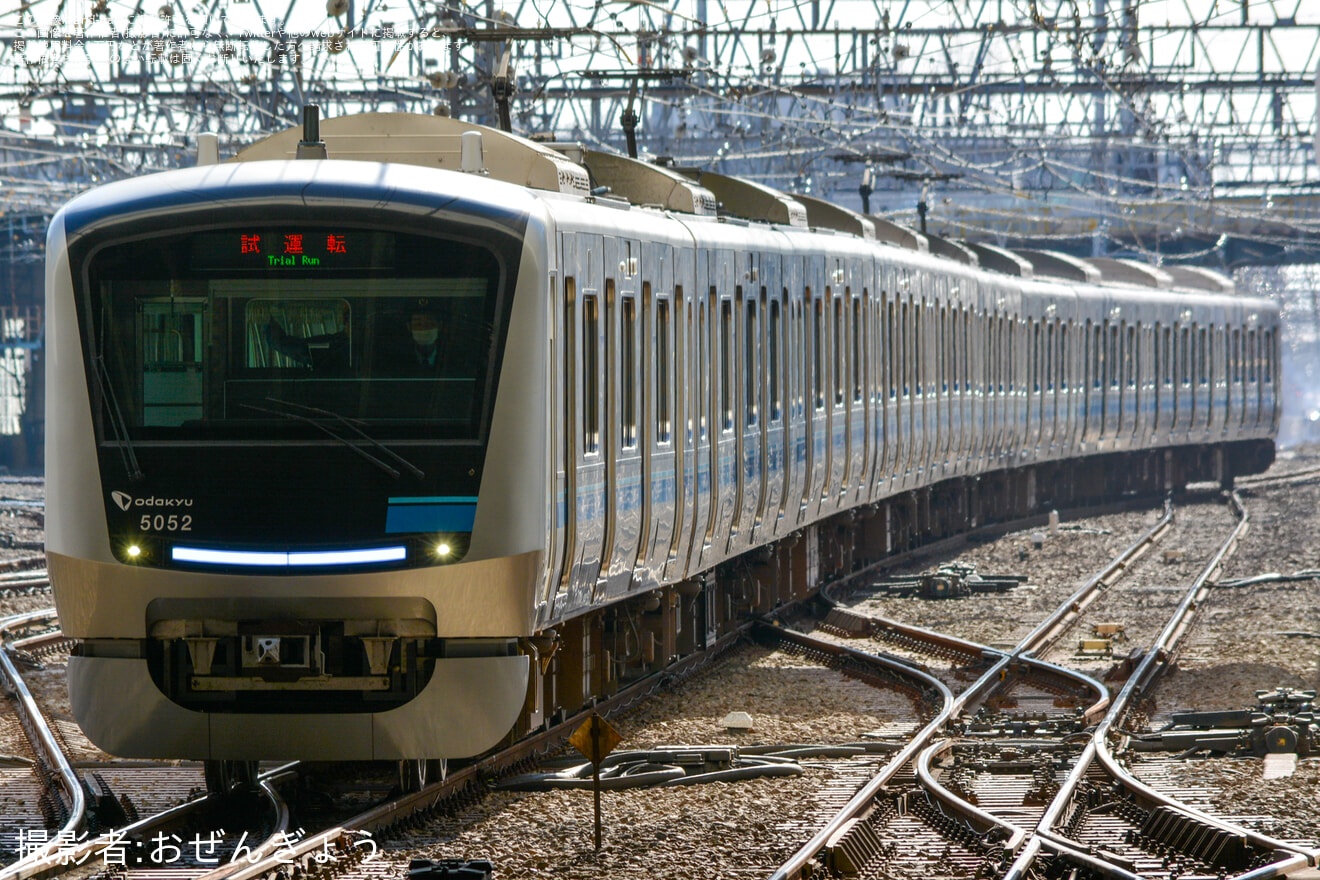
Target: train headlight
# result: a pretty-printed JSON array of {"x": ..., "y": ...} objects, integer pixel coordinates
[
  {"x": 443, "y": 550},
  {"x": 134, "y": 552}
]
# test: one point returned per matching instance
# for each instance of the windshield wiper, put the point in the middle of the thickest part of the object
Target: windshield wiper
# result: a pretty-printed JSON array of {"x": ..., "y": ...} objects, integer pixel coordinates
[
  {"x": 315, "y": 424},
  {"x": 116, "y": 419},
  {"x": 350, "y": 424}
]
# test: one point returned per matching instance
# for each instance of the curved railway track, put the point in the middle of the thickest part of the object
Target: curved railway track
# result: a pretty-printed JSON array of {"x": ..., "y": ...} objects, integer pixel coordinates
[
  {"x": 1007, "y": 801},
  {"x": 46, "y": 852}
]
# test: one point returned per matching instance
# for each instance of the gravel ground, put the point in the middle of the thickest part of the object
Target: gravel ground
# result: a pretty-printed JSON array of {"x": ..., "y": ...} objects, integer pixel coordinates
[
  {"x": 689, "y": 832},
  {"x": 1065, "y": 560}
]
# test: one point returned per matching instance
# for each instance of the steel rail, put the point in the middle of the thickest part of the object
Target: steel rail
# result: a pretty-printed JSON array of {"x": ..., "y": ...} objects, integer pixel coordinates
[
  {"x": 1054, "y": 624},
  {"x": 798, "y": 865},
  {"x": 182, "y": 814},
  {"x": 1154, "y": 661},
  {"x": 1299, "y": 476},
  {"x": 43, "y": 742}
]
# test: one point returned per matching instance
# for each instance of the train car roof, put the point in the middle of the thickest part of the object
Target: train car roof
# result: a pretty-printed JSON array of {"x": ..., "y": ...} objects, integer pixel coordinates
[{"x": 431, "y": 142}]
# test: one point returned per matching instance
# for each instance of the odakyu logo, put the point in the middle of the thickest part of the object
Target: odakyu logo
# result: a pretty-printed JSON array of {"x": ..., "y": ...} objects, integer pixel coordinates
[{"x": 127, "y": 502}]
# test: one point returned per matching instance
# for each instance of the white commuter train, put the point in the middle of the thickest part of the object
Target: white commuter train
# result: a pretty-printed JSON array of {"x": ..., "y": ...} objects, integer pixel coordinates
[{"x": 370, "y": 457}]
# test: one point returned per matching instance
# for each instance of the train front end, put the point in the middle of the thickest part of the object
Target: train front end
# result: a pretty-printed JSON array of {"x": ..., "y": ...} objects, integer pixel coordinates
[{"x": 279, "y": 394}]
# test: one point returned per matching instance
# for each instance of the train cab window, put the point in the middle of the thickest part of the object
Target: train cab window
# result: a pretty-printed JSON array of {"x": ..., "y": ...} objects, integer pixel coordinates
[
  {"x": 662, "y": 378},
  {"x": 256, "y": 333},
  {"x": 171, "y": 358},
  {"x": 628, "y": 373}
]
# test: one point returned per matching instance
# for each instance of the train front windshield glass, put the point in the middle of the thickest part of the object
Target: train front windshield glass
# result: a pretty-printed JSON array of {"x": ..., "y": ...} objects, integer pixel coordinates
[{"x": 283, "y": 331}]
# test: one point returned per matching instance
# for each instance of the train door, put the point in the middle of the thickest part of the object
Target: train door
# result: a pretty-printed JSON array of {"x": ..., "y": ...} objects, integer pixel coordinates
[
  {"x": 748, "y": 359},
  {"x": 863, "y": 405},
  {"x": 917, "y": 354},
  {"x": 775, "y": 472},
  {"x": 685, "y": 379},
  {"x": 1218, "y": 380},
  {"x": 659, "y": 477},
  {"x": 1131, "y": 345},
  {"x": 974, "y": 425},
  {"x": 1185, "y": 403},
  {"x": 838, "y": 397},
  {"x": 724, "y": 377},
  {"x": 1237, "y": 384},
  {"x": 623, "y": 460},
  {"x": 908, "y": 392},
  {"x": 993, "y": 390},
  {"x": 585, "y": 486},
  {"x": 1252, "y": 391},
  {"x": 563, "y": 370},
  {"x": 818, "y": 402},
  {"x": 1063, "y": 385},
  {"x": 1167, "y": 406},
  {"x": 700, "y": 409},
  {"x": 795, "y": 425},
  {"x": 1049, "y": 405}
]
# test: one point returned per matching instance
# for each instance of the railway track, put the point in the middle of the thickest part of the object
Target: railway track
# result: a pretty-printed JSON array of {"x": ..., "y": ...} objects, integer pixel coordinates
[
  {"x": 1029, "y": 792},
  {"x": 77, "y": 819}
]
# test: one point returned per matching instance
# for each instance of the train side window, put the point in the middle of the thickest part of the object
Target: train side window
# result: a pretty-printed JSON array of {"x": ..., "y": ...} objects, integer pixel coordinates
[
  {"x": 776, "y": 401},
  {"x": 1063, "y": 356},
  {"x": 817, "y": 378},
  {"x": 726, "y": 364},
  {"x": 892, "y": 350},
  {"x": 1268, "y": 359},
  {"x": 662, "y": 379},
  {"x": 570, "y": 355},
  {"x": 1166, "y": 360},
  {"x": 1112, "y": 364},
  {"x": 942, "y": 351},
  {"x": 1236, "y": 356},
  {"x": 590, "y": 374},
  {"x": 628, "y": 379},
  {"x": 1201, "y": 376},
  {"x": 1186, "y": 358},
  {"x": 750, "y": 373},
  {"x": 837, "y": 374},
  {"x": 1131, "y": 358},
  {"x": 1252, "y": 354},
  {"x": 857, "y": 348}
]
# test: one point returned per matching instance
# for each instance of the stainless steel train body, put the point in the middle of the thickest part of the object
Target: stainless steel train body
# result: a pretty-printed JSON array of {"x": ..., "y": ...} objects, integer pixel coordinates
[{"x": 267, "y": 553}]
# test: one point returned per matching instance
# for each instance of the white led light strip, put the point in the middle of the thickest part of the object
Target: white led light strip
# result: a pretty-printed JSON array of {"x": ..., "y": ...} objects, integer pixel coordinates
[{"x": 311, "y": 558}]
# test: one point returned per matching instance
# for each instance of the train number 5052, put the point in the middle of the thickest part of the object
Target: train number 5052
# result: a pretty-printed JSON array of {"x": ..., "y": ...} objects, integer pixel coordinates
[{"x": 162, "y": 523}]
